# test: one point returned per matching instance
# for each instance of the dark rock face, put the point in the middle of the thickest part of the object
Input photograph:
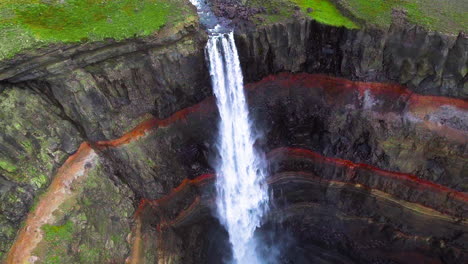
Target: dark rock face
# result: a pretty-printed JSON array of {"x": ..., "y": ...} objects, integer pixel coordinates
[
  {"x": 93, "y": 226},
  {"x": 363, "y": 220},
  {"x": 382, "y": 125},
  {"x": 35, "y": 140},
  {"x": 176, "y": 148},
  {"x": 159, "y": 81},
  {"x": 236, "y": 12},
  {"x": 52, "y": 100},
  {"x": 107, "y": 87},
  {"x": 317, "y": 218},
  {"x": 427, "y": 62},
  {"x": 352, "y": 199}
]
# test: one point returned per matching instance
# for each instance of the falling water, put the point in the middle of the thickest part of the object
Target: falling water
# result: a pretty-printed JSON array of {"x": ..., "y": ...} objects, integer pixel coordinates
[
  {"x": 241, "y": 191},
  {"x": 241, "y": 196}
]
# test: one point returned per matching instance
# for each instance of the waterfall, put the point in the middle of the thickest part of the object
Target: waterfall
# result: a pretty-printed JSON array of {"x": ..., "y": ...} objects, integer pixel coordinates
[{"x": 242, "y": 195}]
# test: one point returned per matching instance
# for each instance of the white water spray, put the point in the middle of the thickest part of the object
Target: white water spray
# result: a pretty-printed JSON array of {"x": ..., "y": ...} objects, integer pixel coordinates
[{"x": 242, "y": 195}]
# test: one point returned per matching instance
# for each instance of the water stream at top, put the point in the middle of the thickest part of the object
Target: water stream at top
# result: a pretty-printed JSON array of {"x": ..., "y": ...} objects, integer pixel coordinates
[{"x": 242, "y": 195}]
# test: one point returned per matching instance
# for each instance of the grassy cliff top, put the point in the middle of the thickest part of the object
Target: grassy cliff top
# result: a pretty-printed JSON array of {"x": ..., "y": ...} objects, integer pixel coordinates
[
  {"x": 324, "y": 11},
  {"x": 26, "y": 24},
  {"x": 447, "y": 16},
  {"x": 29, "y": 24}
]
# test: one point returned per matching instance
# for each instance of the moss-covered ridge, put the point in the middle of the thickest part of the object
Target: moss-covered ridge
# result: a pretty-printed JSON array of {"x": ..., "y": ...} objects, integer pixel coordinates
[
  {"x": 92, "y": 226},
  {"x": 26, "y": 24},
  {"x": 324, "y": 11},
  {"x": 31, "y": 24},
  {"x": 34, "y": 141},
  {"x": 83, "y": 217},
  {"x": 443, "y": 16}
]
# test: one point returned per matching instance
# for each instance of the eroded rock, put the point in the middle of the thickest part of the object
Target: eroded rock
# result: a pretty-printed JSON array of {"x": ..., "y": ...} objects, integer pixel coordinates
[{"x": 35, "y": 140}]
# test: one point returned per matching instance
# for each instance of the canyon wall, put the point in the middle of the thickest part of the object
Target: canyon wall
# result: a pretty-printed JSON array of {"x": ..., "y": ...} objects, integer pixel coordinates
[
  {"x": 52, "y": 100},
  {"x": 427, "y": 62},
  {"x": 145, "y": 107},
  {"x": 35, "y": 140}
]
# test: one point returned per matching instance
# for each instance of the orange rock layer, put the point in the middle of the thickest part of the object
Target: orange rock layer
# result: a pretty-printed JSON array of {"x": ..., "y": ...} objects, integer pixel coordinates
[
  {"x": 420, "y": 105},
  {"x": 292, "y": 153}
]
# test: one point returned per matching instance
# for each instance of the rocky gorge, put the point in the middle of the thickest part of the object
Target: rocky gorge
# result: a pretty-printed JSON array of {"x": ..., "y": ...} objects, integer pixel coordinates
[{"x": 106, "y": 147}]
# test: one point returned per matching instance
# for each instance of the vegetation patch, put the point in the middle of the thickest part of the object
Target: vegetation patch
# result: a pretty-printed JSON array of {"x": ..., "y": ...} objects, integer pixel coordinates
[
  {"x": 30, "y": 24},
  {"x": 7, "y": 166},
  {"x": 58, "y": 234},
  {"x": 90, "y": 255},
  {"x": 275, "y": 10},
  {"x": 325, "y": 12},
  {"x": 444, "y": 16},
  {"x": 91, "y": 225},
  {"x": 33, "y": 23},
  {"x": 58, "y": 238}
]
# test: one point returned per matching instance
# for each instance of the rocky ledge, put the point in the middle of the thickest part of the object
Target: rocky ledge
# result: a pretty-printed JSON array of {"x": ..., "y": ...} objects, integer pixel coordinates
[{"x": 426, "y": 62}]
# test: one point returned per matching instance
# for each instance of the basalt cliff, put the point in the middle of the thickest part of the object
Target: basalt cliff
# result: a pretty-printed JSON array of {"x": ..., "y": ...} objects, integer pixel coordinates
[{"x": 106, "y": 147}]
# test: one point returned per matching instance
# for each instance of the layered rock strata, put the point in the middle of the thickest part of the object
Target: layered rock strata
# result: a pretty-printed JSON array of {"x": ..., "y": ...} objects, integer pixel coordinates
[
  {"x": 106, "y": 87},
  {"x": 426, "y": 62},
  {"x": 52, "y": 100},
  {"x": 389, "y": 207}
]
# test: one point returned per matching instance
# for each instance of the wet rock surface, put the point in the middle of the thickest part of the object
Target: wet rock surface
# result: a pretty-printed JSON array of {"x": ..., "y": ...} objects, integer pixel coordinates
[
  {"x": 380, "y": 125},
  {"x": 314, "y": 219},
  {"x": 426, "y": 62},
  {"x": 337, "y": 204},
  {"x": 170, "y": 153}
]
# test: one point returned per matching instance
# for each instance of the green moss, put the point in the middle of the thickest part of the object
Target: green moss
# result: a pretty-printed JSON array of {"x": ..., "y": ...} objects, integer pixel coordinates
[
  {"x": 82, "y": 217},
  {"x": 117, "y": 239},
  {"x": 31, "y": 23},
  {"x": 58, "y": 239},
  {"x": 150, "y": 163},
  {"x": 445, "y": 16},
  {"x": 8, "y": 231},
  {"x": 57, "y": 234},
  {"x": 27, "y": 146},
  {"x": 35, "y": 150},
  {"x": 88, "y": 255},
  {"x": 93, "y": 180},
  {"x": 87, "y": 202},
  {"x": 277, "y": 10},
  {"x": 36, "y": 200},
  {"x": 325, "y": 12},
  {"x": 17, "y": 126},
  {"x": 56, "y": 259},
  {"x": 7, "y": 166},
  {"x": 39, "y": 181},
  {"x": 84, "y": 231}
]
